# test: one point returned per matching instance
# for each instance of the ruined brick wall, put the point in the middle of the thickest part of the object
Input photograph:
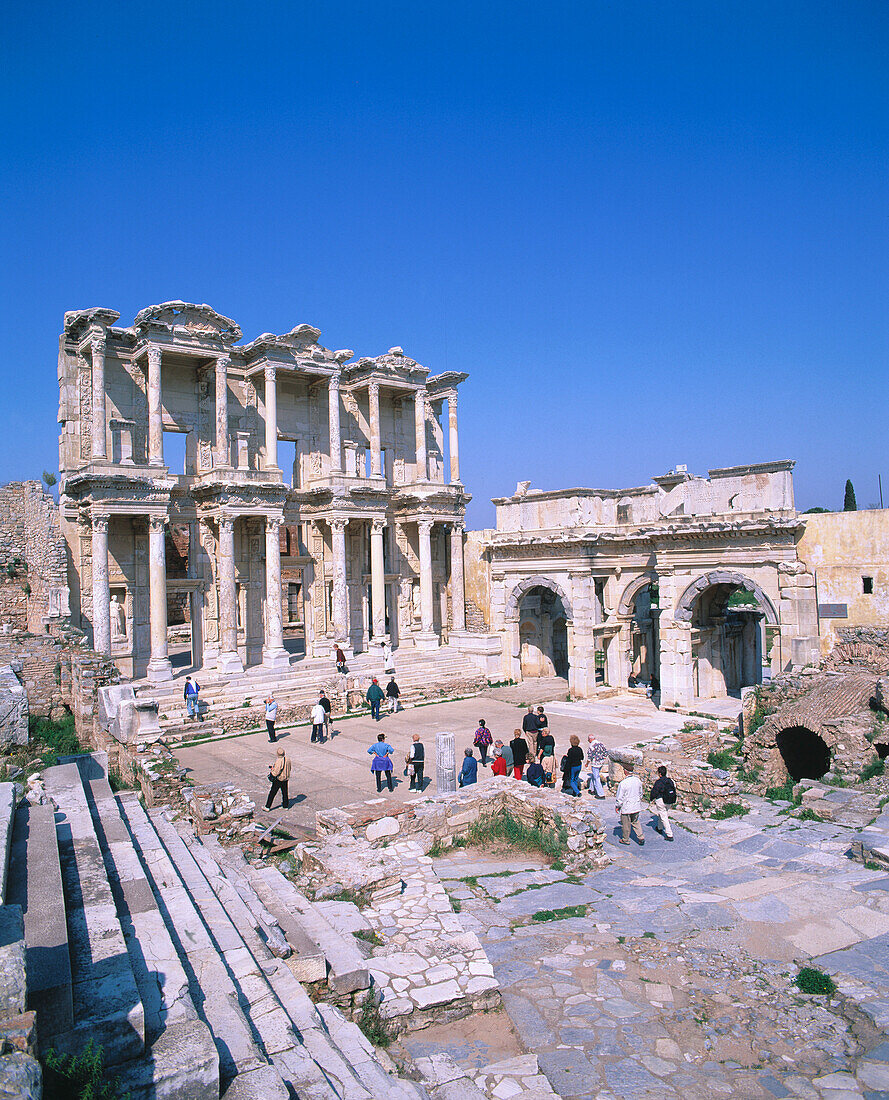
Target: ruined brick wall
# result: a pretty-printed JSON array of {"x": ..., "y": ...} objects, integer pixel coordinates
[{"x": 33, "y": 561}]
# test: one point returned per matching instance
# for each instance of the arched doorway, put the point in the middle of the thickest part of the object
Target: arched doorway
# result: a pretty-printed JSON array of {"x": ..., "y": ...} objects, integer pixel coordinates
[
  {"x": 804, "y": 754},
  {"x": 543, "y": 634},
  {"x": 540, "y": 612},
  {"x": 645, "y": 653},
  {"x": 733, "y": 624}
]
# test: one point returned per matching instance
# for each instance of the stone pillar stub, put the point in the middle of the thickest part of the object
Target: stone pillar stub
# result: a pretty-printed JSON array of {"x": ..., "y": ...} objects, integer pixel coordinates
[
  {"x": 274, "y": 655},
  {"x": 97, "y": 345},
  {"x": 445, "y": 763},
  {"x": 155, "y": 423},
  {"x": 377, "y": 579},
  {"x": 159, "y": 667},
  {"x": 373, "y": 400},
  {"x": 229, "y": 660},
  {"x": 101, "y": 591}
]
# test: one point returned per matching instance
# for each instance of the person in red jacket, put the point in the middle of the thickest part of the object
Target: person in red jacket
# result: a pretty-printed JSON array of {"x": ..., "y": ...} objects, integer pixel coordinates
[{"x": 498, "y": 767}]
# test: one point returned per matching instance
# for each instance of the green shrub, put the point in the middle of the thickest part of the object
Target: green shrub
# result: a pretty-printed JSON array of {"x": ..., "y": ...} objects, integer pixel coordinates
[
  {"x": 811, "y": 980},
  {"x": 54, "y": 739},
  {"x": 549, "y": 842},
  {"x": 875, "y": 767},
  {"x": 566, "y": 913},
  {"x": 375, "y": 1028},
  {"x": 730, "y": 809},
  {"x": 809, "y": 814},
  {"x": 369, "y": 936},
  {"x": 750, "y": 775},
  {"x": 781, "y": 794},
  {"x": 724, "y": 759},
  {"x": 79, "y": 1076},
  {"x": 456, "y": 904},
  {"x": 760, "y": 712}
]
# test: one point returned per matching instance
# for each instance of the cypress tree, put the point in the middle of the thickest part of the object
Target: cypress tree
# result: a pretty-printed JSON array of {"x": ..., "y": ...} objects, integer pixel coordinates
[{"x": 849, "y": 504}]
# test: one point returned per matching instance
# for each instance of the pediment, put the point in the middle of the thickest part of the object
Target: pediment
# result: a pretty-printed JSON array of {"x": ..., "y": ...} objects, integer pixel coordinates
[{"x": 189, "y": 319}]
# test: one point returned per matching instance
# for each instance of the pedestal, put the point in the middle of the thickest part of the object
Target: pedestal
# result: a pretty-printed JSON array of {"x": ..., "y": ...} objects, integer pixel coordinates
[
  {"x": 445, "y": 763},
  {"x": 426, "y": 640}
]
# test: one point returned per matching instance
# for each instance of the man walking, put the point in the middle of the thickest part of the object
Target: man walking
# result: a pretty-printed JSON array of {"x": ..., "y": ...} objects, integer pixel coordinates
[
  {"x": 279, "y": 773},
  {"x": 374, "y": 697},
  {"x": 192, "y": 687},
  {"x": 596, "y": 756},
  {"x": 415, "y": 761},
  {"x": 325, "y": 702},
  {"x": 271, "y": 713},
  {"x": 663, "y": 794},
  {"x": 628, "y": 804},
  {"x": 318, "y": 716},
  {"x": 392, "y": 693},
  {"x": 530, "y": 725}
]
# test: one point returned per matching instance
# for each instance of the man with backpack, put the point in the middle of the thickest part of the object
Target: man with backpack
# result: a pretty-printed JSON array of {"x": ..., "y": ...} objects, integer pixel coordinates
[{"x": 663, "y": 794}]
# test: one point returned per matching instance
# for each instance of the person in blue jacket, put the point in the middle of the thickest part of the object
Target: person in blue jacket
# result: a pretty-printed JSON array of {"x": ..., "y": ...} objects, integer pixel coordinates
[
  {"x": 381, "y": 765},
  {"x": 469, "y": 771}
]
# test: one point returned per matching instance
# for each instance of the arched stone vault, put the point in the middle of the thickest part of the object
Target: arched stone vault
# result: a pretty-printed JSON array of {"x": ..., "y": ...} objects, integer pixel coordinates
[
  {"x": 625, "y": 607},
  {"x": 514, "y": 602},
  {"x": 686, "y": 602}
]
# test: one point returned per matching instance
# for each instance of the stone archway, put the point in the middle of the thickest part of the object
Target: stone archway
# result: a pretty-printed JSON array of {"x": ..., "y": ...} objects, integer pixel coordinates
[
  {"x": 685, "y": 605},
  {"x": 805, "y": 754},
  {"x": 639, "y": 608},
  {"x": 539, "y": 612},
  {"x": 513, "y": 603}
]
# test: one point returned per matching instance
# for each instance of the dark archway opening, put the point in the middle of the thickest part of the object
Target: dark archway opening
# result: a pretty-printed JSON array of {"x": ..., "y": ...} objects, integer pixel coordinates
[
  {"x": 882, "y": 750},
  {"x": 804, "y": 754}
]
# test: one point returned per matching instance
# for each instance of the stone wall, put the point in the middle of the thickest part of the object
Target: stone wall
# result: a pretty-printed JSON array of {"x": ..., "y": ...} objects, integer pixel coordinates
[
  {"x": 700, "y": 788},
  {"x": 33, "y": 566},
  {"x": 439, "y": 821}
]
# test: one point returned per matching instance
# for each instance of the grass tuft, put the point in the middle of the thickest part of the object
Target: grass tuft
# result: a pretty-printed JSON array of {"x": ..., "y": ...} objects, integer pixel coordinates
[
  {"x": 815, "y": 981},
  {"x": 375, "y": 1028},
  {"x": 565, "y": 913},
  {"x": 730, "y": 809}
]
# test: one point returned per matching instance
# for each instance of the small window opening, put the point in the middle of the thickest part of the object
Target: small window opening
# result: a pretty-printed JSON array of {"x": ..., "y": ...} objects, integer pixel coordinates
[
  {"x": 175, "y": 452},
  {"x": 287, "y": 461},
  {"x": 867, "y": 585}
]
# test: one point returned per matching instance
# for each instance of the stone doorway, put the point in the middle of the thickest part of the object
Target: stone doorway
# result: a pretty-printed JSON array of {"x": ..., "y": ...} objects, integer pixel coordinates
[
  {"x": 804, "y": 753},
  {"x": 543, "y": 634},
  {"x": 645, "y": 656},
  {"x": 728, "y": 641}
]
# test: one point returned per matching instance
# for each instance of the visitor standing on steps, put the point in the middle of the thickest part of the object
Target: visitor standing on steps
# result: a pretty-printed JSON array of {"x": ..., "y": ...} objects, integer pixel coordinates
[
  {"x": 374, "y": 697},
  {"x": 519, "y": 747},
  {"x": 192, "y": 687},
  {"x": 382, "y": 761},
  {"x": 271, "y": 714},
  {"x": 279, "y": 774},
  {"x": 318, "y": 716},
  {"x": 388, "y": 660},
  {"x": 340, "y": 659},
  {"x": 663, "y": 794},
  {"x": 392, "y": 693},
  {"x": 628, "y": 804},
  {"x": 482, "y": 741}
]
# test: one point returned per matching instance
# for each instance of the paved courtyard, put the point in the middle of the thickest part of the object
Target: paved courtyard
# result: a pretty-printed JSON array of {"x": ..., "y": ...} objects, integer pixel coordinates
[
  {"x": 337, "y": 772},
  {"x": 677, "y": 979}
]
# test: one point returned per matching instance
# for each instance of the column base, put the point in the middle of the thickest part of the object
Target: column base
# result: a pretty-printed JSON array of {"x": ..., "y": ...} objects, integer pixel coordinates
[
  {"x": 229, "y": 664},
  {"x": 159, "y": 669},
  {"x": 426, "y": 640},
  {"x": 275, "y": 658}
]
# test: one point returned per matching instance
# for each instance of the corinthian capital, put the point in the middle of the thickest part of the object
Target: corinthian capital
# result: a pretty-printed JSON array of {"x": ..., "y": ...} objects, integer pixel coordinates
[
  {"x": 97, "y": 343},
  {"x": 100, "y": 524},
  {"x": 157, "y": 523}
]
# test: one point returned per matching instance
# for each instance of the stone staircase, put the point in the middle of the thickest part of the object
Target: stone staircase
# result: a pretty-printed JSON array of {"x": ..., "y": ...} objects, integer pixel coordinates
[
  {"x": 420, "y": 675},
  {"x": 169, "y": 958}
]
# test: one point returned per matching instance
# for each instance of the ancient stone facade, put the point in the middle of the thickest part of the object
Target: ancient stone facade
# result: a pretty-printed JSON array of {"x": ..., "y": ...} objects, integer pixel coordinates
[
  {"x": 311, "y": 496},
  {"x": 694, "y": 581},
  {"x": 33, "y": 570}
]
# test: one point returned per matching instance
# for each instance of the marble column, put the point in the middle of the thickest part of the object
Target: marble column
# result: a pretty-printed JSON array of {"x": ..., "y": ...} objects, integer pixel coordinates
[
  {"x": 445, "y": 763},
  {"x": 229, "y": 660},
  {"x": 340, "y": 589},
  {"x": 271, "y": 420},
  {"x": 195, "y": 598},
  {"x": 377, "y": 580},
  {"x": 427, "y": 637},
  {"x": 101, "y": 593},
  {"x": 452, "y": 438},
  {"x": 420, "y": 431},
  {"x": 333, "y": 414},
  {"x": 159, "y": 663},
  {"x": 458, "y": 593},
  {"x": 155, "y": 423},
  {"x": 274, "y": 655},
  {"x": 373, "y": 400},
  {"x": 97, "y": 344},
  {"x": 222, "y": 457}
]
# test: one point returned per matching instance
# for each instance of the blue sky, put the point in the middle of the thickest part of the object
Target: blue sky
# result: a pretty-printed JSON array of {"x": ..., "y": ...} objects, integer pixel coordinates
[{"x": 651, "y": 232}]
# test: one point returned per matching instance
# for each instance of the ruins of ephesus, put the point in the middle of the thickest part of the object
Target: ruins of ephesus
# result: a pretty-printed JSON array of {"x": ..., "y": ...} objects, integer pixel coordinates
[
  {"x": 689, "y": 579},
  {"x": 356, "y": 536}
]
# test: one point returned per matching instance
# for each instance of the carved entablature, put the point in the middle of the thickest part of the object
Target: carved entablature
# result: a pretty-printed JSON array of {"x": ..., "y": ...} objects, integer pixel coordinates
[
  {"x": 119, "y": 489},
  {"x": 444, "y": 384},
  {"x": 188, "y": 320},
  {"x": 295, "y": 351},
  {"x": 391, "y": 367},
  {"x": 78, "y": 322}
]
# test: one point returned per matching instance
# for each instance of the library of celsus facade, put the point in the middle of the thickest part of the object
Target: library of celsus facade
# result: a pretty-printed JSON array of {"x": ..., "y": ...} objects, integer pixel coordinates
[
  {"x": 694, "y": 581},
  {"x": 268, "y": 497}
]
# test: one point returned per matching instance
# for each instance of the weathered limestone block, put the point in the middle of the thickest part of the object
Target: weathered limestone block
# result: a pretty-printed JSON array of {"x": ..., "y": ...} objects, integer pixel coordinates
[{"x": 13, "y": 710}]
